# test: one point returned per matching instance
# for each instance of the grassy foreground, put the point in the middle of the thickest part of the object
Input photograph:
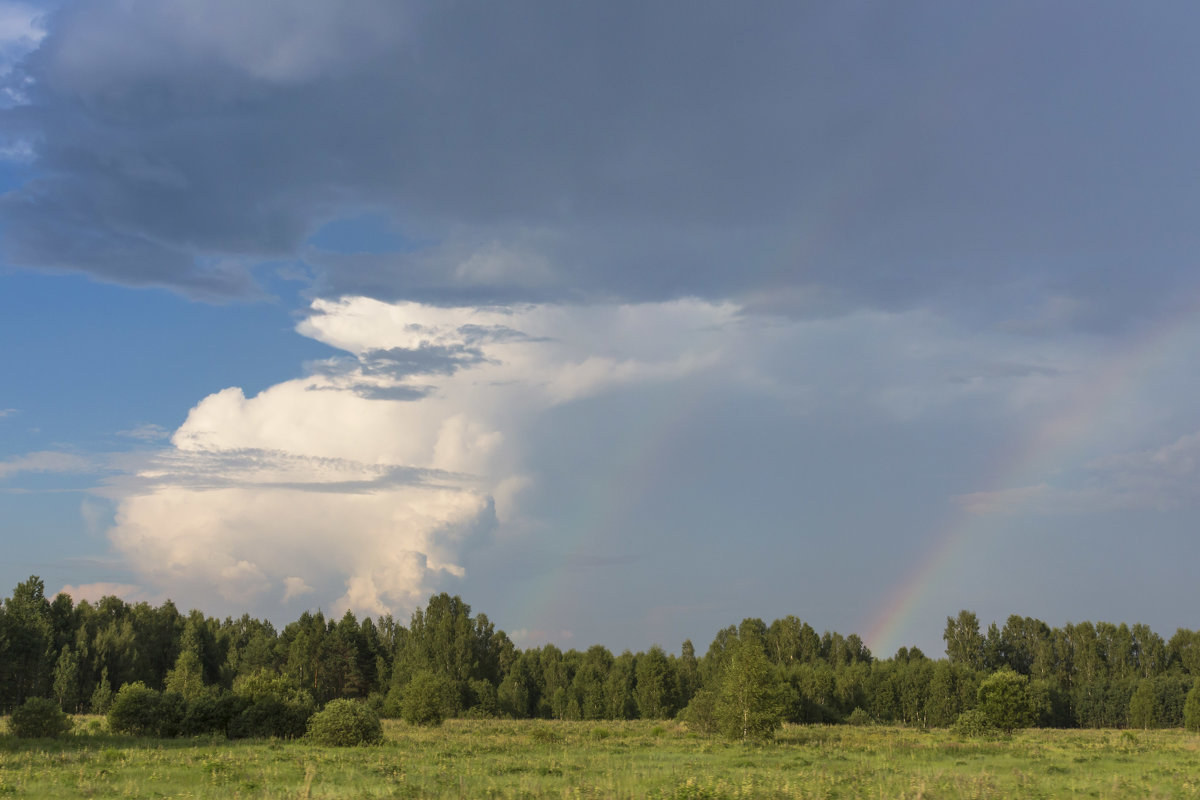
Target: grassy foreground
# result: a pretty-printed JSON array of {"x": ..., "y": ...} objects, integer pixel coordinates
[{"x": 534, "y": 759}]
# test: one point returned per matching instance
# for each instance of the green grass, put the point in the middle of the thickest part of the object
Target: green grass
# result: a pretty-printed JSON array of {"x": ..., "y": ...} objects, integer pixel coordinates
[{"x": 497, "y": 759}]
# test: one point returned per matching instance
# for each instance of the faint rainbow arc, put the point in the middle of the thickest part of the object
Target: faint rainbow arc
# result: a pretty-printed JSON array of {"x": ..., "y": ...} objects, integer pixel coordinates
[{"x": 1048, "y": 447}]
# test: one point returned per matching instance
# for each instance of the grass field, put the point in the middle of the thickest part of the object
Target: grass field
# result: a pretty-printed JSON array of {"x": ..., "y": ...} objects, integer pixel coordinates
[{"x": 610, "y": 760}]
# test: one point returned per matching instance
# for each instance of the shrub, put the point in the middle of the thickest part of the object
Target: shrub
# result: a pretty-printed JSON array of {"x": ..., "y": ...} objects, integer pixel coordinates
[
  {"x": 376, "y": 701},
  {"x": 171, "y": 710},
  {"x": 345, "y": 723},
  {"x": 212, "y": 713},
  {"x": 135, "y": 710},
  {"x": 484, "y": 702},
  {"x": 141, "y": 711},
  {"x": 271, "y": 717},
  {"x": 1004, "y": 700},
  {"x": 428, "y": 699},
  {"x": 393, "y": 703},
  {"x": 38, "y": 718},
  {"x": 973, "y": 723},
  {"x": 700, "y": 714},
  {"x": 859, "y": 717},
  {"x": 545, "y": 734}
]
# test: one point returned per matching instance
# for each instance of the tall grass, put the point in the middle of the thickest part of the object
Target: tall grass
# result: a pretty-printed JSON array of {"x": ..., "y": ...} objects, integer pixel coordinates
[{"x": 539, "y": 759}]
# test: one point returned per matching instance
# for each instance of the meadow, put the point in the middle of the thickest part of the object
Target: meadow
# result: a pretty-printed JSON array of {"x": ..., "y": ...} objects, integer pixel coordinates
[{"x": 541, "y": 759}]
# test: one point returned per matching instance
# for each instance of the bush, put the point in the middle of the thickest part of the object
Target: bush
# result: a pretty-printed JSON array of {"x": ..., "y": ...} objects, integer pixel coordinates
[
  {"x": 212, "y": 713},
  {"x": 141, "y": 711},
  {"x": 1004, "y": 700},
  {"x": 484, "y": 702},
  {"x": 38, "y": 718},
  {"x": 376, "y": 702},
  {"x": 393, "y": 703},
  {"x": 700, "y": 714},
  {"x": 345, "y": 723},
  {"x": 428, "y": 699},
  {"x": 135, "y": 710},
  {"x": 974, "y": 723},
  {"x": 270, "y": 717},
  {"x": 859, "y": 717}
]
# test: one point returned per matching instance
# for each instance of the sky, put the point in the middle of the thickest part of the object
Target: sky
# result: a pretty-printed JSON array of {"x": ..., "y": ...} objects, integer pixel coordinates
[{"x": 624, "y": 321}]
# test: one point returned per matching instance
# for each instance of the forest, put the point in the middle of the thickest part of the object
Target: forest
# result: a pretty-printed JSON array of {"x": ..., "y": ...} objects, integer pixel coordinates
[{"x": 449, "y": 662}]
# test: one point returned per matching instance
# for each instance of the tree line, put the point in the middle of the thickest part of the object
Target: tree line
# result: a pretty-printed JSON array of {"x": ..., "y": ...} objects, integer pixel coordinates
[{"x": 448, "y": 661}]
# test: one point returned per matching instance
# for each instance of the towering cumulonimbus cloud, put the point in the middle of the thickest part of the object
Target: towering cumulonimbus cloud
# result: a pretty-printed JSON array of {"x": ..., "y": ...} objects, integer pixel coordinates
[{"x": 373, "y": 472}]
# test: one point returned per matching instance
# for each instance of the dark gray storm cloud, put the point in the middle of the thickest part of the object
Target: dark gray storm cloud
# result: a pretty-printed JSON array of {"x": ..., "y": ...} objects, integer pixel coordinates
[{"x": 825, "y": 155}]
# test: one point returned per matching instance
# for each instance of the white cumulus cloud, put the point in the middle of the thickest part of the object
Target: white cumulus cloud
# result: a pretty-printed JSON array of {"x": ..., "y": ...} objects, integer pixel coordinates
[{"x": 370, "y": 475}]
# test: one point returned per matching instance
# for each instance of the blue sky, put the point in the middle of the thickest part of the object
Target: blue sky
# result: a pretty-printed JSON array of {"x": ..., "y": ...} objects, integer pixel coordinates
[{"x": 624, "y": 321}]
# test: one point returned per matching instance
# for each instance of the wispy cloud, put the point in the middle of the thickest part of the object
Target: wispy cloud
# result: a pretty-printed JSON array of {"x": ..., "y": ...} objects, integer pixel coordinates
[
  {"x": 1157, "y": 479},
  {"x": 47, "y": 461},
  {"x": 294, "y": 587},
  {"x": 7, "y": 412},
  {"x": 93, "y": 592},
  {"x": 535, "y": 637},
  {"x": 146, "y": 432},
  {"x": 21, "y": 32}
]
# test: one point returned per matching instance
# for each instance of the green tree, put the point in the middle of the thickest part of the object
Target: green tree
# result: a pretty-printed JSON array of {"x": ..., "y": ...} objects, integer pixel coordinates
[
  {"x": 102, "y": 697},
  {"x": 687, "y": 672},
  {"x": 587, "y": 687},
  {"x": 263, "y": 685},
  {"x": 1023, "y": 638},
  {"x": 66, "y": 680},
  {"x": 942, "y": 705},
  {"x": 187, "y": 678},
  {"x": 446, "y": 639},
  {"x": 26, "y": 641},
  {"x": 748, "y": 703},
  {"x": 1191, "y": 708},
  {"x": 914, "y": 679},
  {"x": 964, "y": 643},
  {"x": 882, "y": 693},
  {"x": 345, "y": 666},
  {"x": 302, "y": 640},
  {"x": 619, "y": 687},
  {"x": 656, "y": 689},
  {"x": 555, "y": 699},
  {"x": 1183, "y": 651},
  {"x": 1151, "y": 651},
  {"x": 785, "y": 641},
  {"x": 518, "y": 693},
  {"x": 1142, "y": 705}
]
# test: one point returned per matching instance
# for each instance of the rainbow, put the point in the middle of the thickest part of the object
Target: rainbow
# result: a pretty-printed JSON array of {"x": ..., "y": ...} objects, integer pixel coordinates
[
  {"x": 1050, "y": 447},
  {"x": 595, "y": 515}
]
